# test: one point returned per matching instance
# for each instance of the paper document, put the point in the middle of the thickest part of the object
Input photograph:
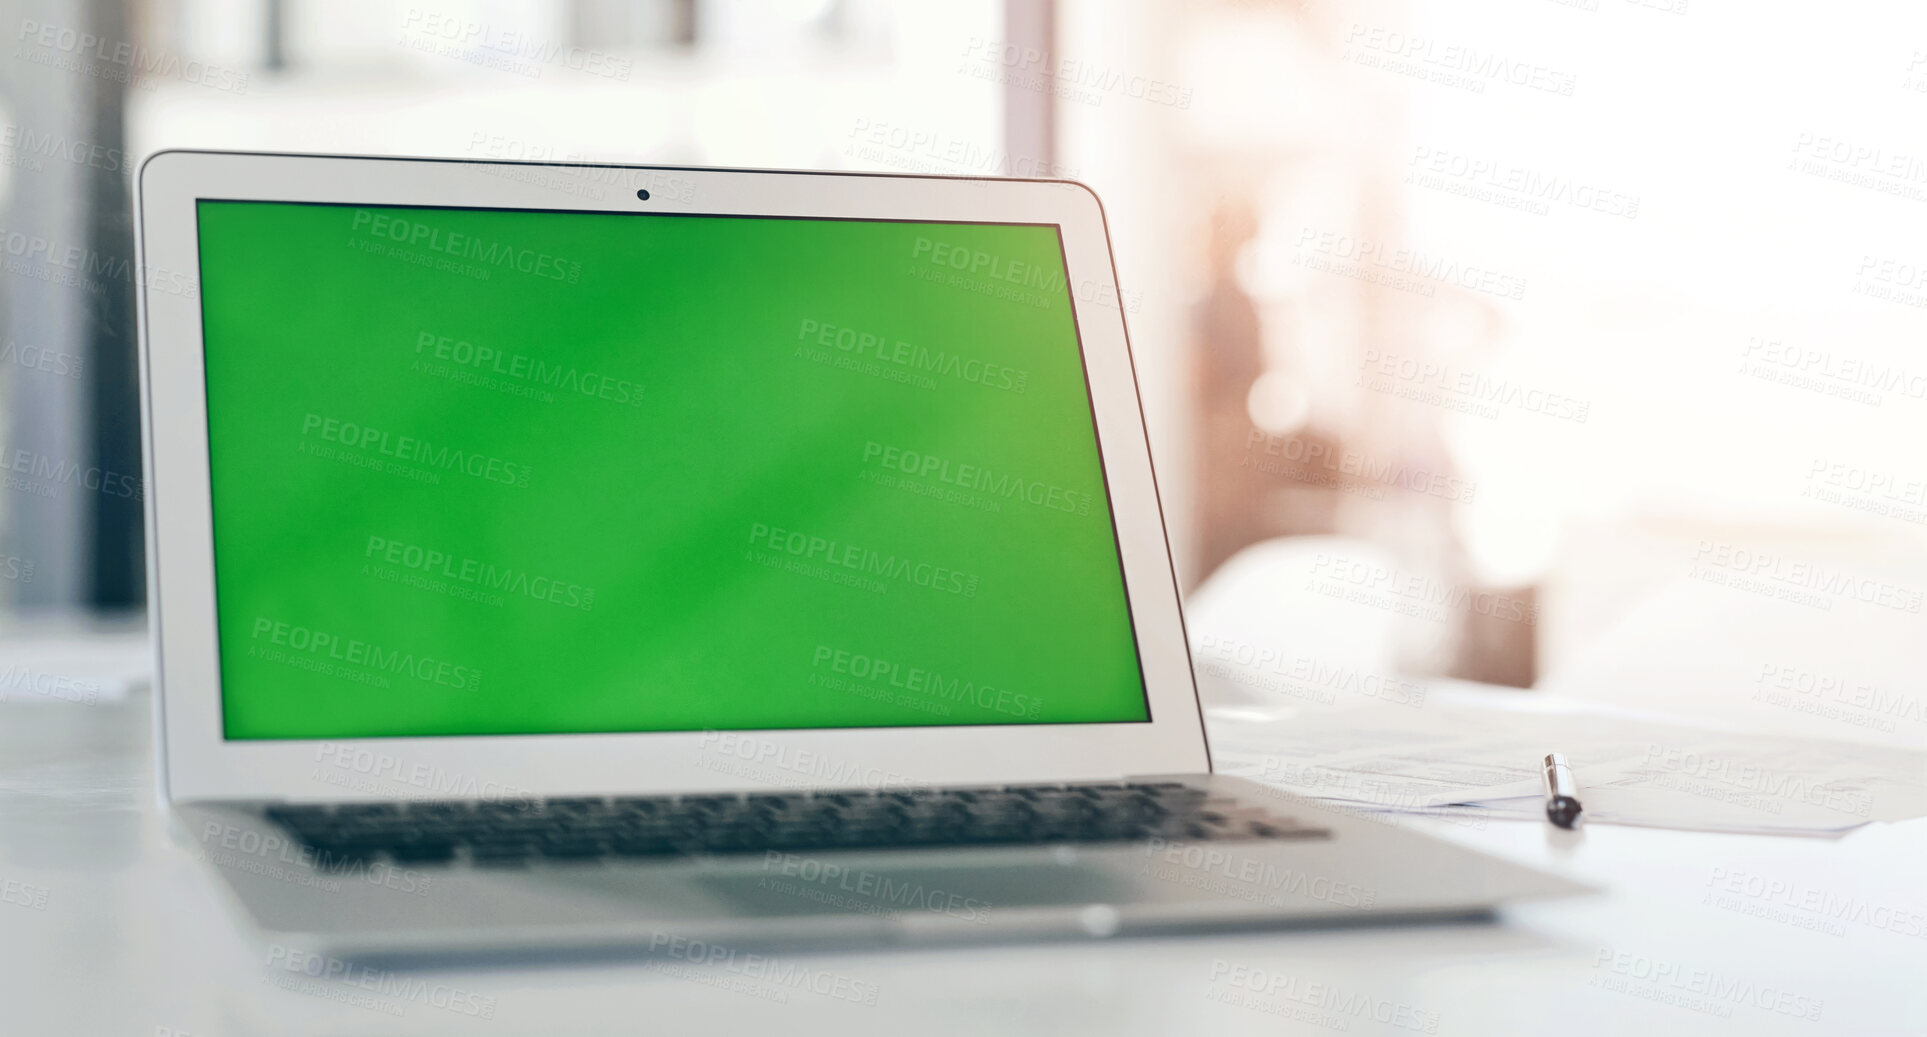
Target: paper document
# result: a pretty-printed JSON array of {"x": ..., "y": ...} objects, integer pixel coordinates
[
  {"x": 79, "y": 668},
  {"x": 1463, "y": 758}
]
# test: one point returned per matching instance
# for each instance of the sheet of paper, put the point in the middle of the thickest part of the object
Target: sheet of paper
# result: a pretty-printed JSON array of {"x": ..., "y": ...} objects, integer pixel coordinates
[
  {"x": 69, "y": 668},
  {"x": 1632, "y": 769}
]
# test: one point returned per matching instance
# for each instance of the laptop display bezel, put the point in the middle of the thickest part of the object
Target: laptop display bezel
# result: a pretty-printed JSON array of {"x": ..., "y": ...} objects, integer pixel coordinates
[{"x": 198, "y": 763}]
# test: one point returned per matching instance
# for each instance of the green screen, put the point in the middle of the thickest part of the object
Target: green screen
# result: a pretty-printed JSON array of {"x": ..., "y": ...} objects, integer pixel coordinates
[{"x": 512, "y": 472}]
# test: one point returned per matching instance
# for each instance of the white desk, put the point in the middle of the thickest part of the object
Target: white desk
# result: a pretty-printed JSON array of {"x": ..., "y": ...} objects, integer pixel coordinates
[{"x": 133, "y": 938}]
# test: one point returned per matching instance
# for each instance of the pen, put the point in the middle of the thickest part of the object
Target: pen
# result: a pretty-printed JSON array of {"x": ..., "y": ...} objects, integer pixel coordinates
[{"x": 1562, "y": 793}]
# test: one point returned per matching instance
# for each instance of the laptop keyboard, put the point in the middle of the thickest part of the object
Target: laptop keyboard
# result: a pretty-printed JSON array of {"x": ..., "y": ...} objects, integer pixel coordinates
[{"x": 511, "y": 833}]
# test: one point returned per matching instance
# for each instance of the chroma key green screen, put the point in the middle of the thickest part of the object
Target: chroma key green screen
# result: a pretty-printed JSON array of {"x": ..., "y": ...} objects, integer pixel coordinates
[{"x": 482, "y": 472}]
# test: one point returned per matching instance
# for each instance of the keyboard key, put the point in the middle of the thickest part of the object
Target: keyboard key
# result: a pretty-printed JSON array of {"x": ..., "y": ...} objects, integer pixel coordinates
[
  {"x": 572, "y": 849},
  {"x": 300, "y": 814},
  {"x": 644, "y": 846},
  {"x": 501, "y": 855},
  {"x": 513, "y": 804},
  {"x": 426, "y": 852}
]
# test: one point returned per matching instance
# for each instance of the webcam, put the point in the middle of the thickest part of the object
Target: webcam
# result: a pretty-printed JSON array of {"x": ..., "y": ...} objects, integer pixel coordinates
[{"x": 643, "y": 194}]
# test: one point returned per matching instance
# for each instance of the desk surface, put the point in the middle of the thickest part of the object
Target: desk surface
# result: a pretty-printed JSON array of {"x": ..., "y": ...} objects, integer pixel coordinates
[{"x": 109, "y": 927}]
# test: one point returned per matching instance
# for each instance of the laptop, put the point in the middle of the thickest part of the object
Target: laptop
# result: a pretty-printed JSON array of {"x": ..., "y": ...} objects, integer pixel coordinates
[{"x": 558, "y": 555}]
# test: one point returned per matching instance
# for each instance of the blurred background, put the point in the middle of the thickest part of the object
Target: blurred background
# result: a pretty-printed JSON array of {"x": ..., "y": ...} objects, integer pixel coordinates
[{"x": 1488, "y": 322}]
